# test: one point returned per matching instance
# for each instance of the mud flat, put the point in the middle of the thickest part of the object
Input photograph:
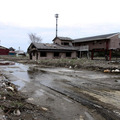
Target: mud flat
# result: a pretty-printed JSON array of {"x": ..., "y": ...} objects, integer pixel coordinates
[
  {"x": 98, "y": 64},
  {"x": 65, "y": 93},
  {"x": 14, "y": 105}
]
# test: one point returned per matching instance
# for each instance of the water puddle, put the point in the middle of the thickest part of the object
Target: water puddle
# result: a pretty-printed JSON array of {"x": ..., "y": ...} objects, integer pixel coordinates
[
  {"x": 39, "y": 92},
  {"x": 20, "y": 73},
  {"x": 19, "y": 83},
  {"x": 49, "y": 76}
]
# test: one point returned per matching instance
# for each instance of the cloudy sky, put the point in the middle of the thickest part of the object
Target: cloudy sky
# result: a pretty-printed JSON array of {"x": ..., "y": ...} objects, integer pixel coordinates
[{"x": 77, "y": 18}]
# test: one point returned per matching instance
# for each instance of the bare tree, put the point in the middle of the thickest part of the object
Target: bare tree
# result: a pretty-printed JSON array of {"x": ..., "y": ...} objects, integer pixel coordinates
[{"x": 34, "y": 38}]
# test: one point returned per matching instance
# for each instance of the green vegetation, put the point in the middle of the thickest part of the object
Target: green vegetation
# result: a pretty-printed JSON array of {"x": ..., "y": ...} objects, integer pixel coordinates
[
  {"x": 17, "y": 104},
  {"x": 99, "y": 63}
]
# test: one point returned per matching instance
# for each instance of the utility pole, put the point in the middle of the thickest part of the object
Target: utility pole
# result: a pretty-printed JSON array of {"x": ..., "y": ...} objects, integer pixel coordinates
[{"x": 56, "y": 16}]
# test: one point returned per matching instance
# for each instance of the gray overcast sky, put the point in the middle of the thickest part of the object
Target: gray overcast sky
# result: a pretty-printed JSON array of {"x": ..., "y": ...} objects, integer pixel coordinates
[{"x": 77, "y": 18}]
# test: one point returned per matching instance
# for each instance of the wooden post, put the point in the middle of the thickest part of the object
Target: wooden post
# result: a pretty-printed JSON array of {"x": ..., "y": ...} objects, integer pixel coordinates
[
  {"x": 107, "y": 45},
  {"x": 110, "y": 53},
  {"x": 80, "y": 55},
  {"x": 87, "y": 54}
]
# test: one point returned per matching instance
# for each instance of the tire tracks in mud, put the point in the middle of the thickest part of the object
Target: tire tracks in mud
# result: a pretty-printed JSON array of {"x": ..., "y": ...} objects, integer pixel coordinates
[
  {"x": 100, "y": 108},
  {"x": 106, "y": 113}
]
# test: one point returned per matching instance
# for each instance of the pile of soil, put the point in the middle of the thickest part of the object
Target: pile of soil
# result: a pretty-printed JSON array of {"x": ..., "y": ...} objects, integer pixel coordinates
[{"x": 13, "y": 104}]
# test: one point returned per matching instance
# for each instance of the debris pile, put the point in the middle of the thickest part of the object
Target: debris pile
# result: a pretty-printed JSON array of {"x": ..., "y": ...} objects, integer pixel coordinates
[
  {"x": 13, "y": 104},
  {"x": 112, "y": 71},
  {"x": 6, "y": 63}
]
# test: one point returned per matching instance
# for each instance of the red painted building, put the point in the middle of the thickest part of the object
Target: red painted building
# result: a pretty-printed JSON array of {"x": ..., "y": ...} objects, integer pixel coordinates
[{"x": 4, "y": 50}]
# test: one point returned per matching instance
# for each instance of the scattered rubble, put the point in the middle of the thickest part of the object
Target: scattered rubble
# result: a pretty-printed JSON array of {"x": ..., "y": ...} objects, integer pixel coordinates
[
  {"x": 106, "y": 71},
  {"x": 112, "y": 71},
  {"x": 70, "y": 67},
  {"x": 17, "y": 112},
  {"x": 14, "y": 105},
  {"x": 98, "y": 64},
  {"x": 6, "y": 63},
  {"x": 116, "y": 70},
  {"x": 45, "y": 109}
]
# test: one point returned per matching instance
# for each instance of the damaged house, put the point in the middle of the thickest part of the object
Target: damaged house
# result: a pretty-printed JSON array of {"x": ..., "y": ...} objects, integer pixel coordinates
[
  {"x": 60, "y": 48},
  {"x": 64, "y": 47},
  {"x": 102, "y": 43}
]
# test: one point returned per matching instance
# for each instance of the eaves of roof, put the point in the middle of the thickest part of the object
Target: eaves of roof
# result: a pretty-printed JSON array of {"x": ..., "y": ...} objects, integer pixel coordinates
[
  {"x": 57, "y": 50},
  {"x": 1, "y": 47},
  {"x": 42, "y": 46},
  {"x": 81, "y": 40},
  {"x": 93, "y": 38},
  {"x": 64, "y": 38}
]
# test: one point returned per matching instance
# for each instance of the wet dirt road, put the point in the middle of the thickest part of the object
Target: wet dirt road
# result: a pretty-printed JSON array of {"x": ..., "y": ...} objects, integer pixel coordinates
[{"x": 69, "y": 94}]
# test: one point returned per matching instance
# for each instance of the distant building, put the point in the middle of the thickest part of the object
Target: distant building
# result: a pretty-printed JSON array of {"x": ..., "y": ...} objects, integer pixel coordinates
[
  {"x": 61, "y": 48},
  {"x": 20, "y": 53},
  {"x": 12, "y": 51},
  {"x": 64, "y": 47},
  {"x": 4, "y": 50},
  {"x": 105, "y": 43}
]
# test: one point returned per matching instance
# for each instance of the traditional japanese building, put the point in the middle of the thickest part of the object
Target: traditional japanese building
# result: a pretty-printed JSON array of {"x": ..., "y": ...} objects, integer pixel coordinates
[
  {"x": 60, "y": 48},
  {"x": 65, "y": 47}
]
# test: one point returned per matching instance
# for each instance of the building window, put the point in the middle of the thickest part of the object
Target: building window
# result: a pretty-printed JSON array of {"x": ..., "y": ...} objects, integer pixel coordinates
[
  {"x": 68, "y": 54},
  {"x": 56, "y": 54},
  {"x": 43, "y": 54},
  {"x": 65, "y": 43}
]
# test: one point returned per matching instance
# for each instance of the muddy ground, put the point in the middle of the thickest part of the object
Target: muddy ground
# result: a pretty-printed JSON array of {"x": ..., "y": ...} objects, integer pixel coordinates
[
  {"x": 98, "y": 64},
  {"x": 13, "y": 104},
  {"x": 66, "y": 90}
]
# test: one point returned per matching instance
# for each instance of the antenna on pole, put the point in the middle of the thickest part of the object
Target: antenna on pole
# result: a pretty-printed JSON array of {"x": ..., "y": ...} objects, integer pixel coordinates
[{"x": 56, "y": 16}]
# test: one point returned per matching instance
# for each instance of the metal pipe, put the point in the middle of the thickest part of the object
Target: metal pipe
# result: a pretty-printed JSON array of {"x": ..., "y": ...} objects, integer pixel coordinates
[{"x": 56, "y": 16}]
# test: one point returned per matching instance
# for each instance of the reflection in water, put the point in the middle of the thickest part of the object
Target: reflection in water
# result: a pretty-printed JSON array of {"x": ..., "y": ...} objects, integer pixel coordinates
[
  {"x": 33, "y": 72},
  {"x": 47, "y": 76}
]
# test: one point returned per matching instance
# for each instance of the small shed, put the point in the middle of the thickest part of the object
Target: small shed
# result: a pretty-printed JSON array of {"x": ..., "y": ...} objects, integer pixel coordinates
[{"x": 12, "y": 51}]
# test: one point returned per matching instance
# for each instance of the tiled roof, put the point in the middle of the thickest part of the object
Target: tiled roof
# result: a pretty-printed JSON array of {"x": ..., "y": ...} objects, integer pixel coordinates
[
  {"x": 1, "y": 47},
  {"x": 51, "y": 46},
  {"x": 64, "y": 38},
  {"x": 99, "y": 37}
]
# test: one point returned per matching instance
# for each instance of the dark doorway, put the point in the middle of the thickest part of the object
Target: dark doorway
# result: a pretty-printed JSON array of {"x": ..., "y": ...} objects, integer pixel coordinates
[
  {"x": 56, "y": 54},
  {"x": 30, "y": 56},
  {"x": 68, "y": 54}
]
